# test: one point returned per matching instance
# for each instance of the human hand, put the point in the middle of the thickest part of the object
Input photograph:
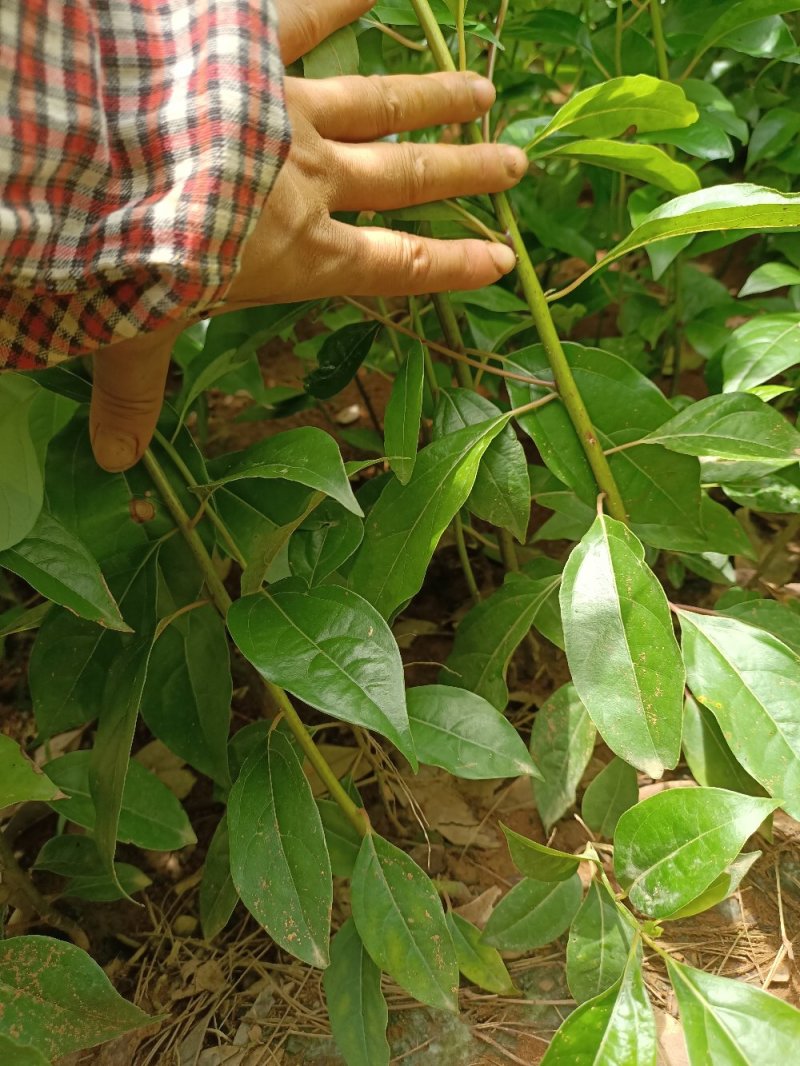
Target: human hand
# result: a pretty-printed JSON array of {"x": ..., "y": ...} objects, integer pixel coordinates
[{"x": 337, "y": 163}]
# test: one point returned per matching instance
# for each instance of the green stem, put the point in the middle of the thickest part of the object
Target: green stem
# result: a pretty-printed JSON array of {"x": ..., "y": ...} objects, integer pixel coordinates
[
  {"x": 463, "y": 555},
  {"x": 508, "y": 550},
  {"x": 462, "y": 37},
  {"x": 565, "y": 382},
  {"x": 223, "y": 602},
  {"x": 394, "y": 343},
  {"x": 618, "y": 31},
  {"x": 659, "y": 42},
  {"x": 452, "y": 335}
]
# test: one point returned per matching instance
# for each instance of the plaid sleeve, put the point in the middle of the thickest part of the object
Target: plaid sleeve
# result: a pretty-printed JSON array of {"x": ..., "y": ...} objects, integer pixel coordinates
[{"x": 138, "y": 142}]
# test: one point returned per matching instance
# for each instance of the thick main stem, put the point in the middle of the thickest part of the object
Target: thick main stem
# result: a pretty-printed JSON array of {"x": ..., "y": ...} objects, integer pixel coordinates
[
  {"x": 223, "y": 602},
  {"x": 534, "y": 295},
  {"x": 659, "y": 41}
]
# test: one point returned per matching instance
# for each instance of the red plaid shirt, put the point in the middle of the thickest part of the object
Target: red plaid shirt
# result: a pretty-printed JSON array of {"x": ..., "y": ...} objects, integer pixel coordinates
[{"x": 138, "y": 142}]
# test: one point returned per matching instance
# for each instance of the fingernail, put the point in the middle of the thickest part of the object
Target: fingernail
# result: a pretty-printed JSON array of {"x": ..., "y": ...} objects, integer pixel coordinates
[
  {"x": 503, "y": 257},
  {"x": 483, "y": 93},
  {"x": 515, "y": 161},
  {"x": 113, "y": 450}
]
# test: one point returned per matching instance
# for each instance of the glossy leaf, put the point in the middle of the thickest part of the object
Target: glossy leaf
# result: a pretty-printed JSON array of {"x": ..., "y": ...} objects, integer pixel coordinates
[
  {"x": 342, "y": 352},
  {"x": 279, "y": 861},
  {"x": 502, "y": 491},
  {"x": 621, "y": 647},
  {"x": 732, "y": 426},
  {"x": 218, "y": 896},
  {"x": 490, "y": 633},
  {"x": 642, "y": 161},
  {"x": 187, "y": 694},
  {"x": 739, "y": 14},
  {"x": 340, "y": 836},
  {"x": 400, "y": 920},
  {"x": 477, "y": 961},
  {"x": 324, "y": 542},
  {"x": 708, "y": 755},
  {"x": 730, "y": 1023},
  {"x": 403, "y": 412},
  {"x": 750, "y": 681},
  {"x": 719, "y": 207},
  {"x": 78, "y": 858},
  {"x": 608, "y": 796},
  {"x": 760, "y": 349},
  {"x": 617, "y": 1028},
  {"x": 57, "y": 999},
  {"x": 150, "y": 817},
  {"x": 562, "y": 742},
  {"x": 306, "y": 455},
  {"x": 661, "y": 490},
  {"x": 330, "y": 648},
  {"x": 670, "y": 847},
  {"x": 465, "y": 735},
  {"x": 599, "y": 945},
  {"x": 611, "y": 107},
  {"x": 356, "y": 1005},
  {"x": 533, "y": 914},
  {"x": 20, "y": 780},
  {"x": 724, "y": 885},
  {"x": 61, "y": 568},
  {"x": 537, "y": 861},
  {"x": 21, "y": 488},
  {"x": 770, "y": 276},
  {"x": 780, "y": 619},
  {"x": 335, "y": 56},
  {"x": 404, "y": 527}
]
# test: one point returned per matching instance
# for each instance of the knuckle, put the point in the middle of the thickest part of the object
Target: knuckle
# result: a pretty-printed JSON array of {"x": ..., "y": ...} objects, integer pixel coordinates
[
  {"x": 417, "y": 259},
  {"x": 416, "y": 169},
  {"x": 389, "y": 104}
]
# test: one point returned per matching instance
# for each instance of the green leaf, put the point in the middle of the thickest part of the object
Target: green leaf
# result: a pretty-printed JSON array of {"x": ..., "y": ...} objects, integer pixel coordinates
[
  {"x": 20, "y": 780},
  {"x": 279, "y": 861},
  {"x": 151, "y": 817},
  {"x": 20, "y": 620},
  {"x": 502, "y": 490},
  {"x": 661, "y": 490},
  {"x": 616, "y": 1028},
  {"x": 341, "y": 837},
  {"x": 778, "y": 493},
  {"x": 725, "y": 885},
  {"x": 324, "y": 542},
  {"x": 403, "y": 413},
  {"x": 720, "y": 207},
  {"x": 356, "y": 1005},
  {"x": 61, "y": 568},
  {"x": 750, "y": 681},
  {"x": 642, "y": 161},
  {"x": 611, "y": 107},
  {"x": 730, "y": 1022},
  {"x": 330, "y": 648},
  {"x": 770, "y": 276},
  {"x": 16, "y": 1054},
  {"x": 465, "y": 735},
  {"x": 537, "y": 861},
  {"x": 533, "y": 914},
  {"x": 79, "y": 859},
  {"x": 708, "y": 756},
  {"x": 760, "y": 349},
  {"x": 187, "y": 694},
  {"x": 477, "y": 961},
  {"x": 57, "y": 999},
  {"x": 218, "y": 896},
  {"x": 21, "y": 488},
  {"x": 399, "y": 918},
  {"x": 735, "y": 425},
  {"x": 609, "y": 795},
  {"x": 562, "y": 742},
  {"x": 306, "y": 455},
  {"x": 740, "y": 14},
  {"x": 404, "y": 527},
  {"x": 203, "y": 374},
  {"x": 621, "y": 647},
  {"x": 670, "y": 847},
  {"x": 777, "y": 618},
  {"x": 335, "y": 56},
  {"x": 490, "y": 633},
  {"x": 599, "y": 945},
  {"x": 340, "y": 357}
]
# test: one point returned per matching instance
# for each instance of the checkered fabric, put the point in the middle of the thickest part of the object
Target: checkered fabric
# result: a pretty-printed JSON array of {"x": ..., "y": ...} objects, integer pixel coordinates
[{"x": 138, "y": 142}]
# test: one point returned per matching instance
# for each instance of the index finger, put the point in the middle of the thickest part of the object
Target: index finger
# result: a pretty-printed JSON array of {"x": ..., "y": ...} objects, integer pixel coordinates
[
  {"x": 303, "y": 24},
  {"x": 366, "y": 109}
]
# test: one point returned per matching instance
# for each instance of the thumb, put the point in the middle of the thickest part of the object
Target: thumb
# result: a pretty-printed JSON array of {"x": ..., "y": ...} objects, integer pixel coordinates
[{"x": 127, "y": 395}]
